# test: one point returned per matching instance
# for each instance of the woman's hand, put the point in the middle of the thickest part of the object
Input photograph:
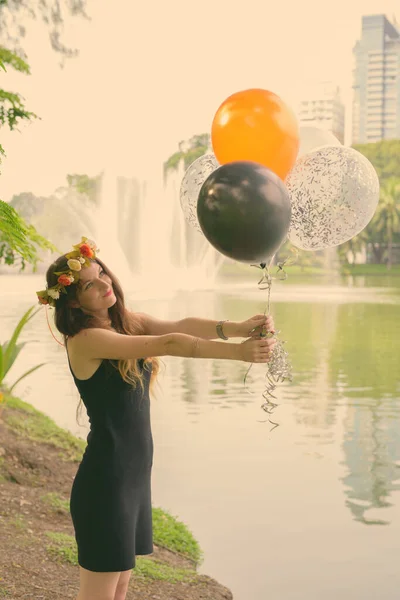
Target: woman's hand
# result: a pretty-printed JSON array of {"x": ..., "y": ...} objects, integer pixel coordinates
[
  {"x": 257, "y": 350},
  {"x": 256, "y": 326}
]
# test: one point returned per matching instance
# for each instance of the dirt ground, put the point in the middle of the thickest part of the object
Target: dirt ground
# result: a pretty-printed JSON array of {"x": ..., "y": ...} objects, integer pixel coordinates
[{"x": 28, "y": 568}]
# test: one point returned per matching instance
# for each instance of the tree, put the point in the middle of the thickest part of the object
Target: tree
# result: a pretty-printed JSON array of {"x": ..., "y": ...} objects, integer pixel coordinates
[
  {"x": 352, "y": 247},
  {"x": 84, "y": 184},
  {"x": 384, "y": 155},
  {"x": 387, "y": 216},
  {"x": 17, "y": 238},
  {"x": 12, "y": 109},
  {"x": 301, "y": 258},
  {"x": 15, "y": 16},
  {"x": 382, "y": 230},
  {"x": 188, "y": 151}
]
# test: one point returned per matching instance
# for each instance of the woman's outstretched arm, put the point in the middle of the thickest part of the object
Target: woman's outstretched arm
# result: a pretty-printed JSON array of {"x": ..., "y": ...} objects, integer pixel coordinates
[
  {"x": 207, "y": 328},
  {"x": 202, "y": 328}
]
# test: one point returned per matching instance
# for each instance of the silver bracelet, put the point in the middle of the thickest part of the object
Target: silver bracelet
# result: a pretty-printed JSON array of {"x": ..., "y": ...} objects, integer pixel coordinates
[{"x": 219, "y": 330}]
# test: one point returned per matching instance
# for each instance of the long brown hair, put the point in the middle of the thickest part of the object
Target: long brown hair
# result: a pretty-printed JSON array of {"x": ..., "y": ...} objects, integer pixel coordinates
[{"x": 69, "y": 321}]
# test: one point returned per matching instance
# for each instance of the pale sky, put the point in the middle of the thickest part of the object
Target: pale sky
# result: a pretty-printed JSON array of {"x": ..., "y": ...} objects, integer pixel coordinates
[{"x": 150, "y": 74}]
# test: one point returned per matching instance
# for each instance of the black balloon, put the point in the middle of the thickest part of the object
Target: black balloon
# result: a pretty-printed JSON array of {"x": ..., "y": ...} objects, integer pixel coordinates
[{"x": 244, "y": 211}]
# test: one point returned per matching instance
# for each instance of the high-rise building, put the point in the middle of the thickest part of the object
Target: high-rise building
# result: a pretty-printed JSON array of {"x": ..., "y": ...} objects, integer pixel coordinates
[
  {"x": 376, "y": 82},
  {"x": 321, "y": 107}
]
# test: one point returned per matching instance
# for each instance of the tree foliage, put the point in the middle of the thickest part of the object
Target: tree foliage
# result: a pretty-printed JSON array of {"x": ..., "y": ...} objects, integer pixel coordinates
[
  {"x": 16, "y": 15},
  {"x": 84, "y": 184},
  {"x": 386, "y": 221},
  {"x": 385, "y": 156},
  {"x": 188, "y": 152},
  {"x": 60, "y": 217},
  {"x": 16, "y": 62},
  {"x": 12, "y": 108},
  {"x": 383, "y": 231},
  {"x": 18, "y": 240}
]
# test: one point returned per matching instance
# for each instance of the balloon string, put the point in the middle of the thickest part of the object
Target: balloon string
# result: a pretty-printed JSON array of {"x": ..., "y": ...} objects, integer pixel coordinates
[
  {"x": 279, "y": 368},
  {"x": 48, "y": 323}
]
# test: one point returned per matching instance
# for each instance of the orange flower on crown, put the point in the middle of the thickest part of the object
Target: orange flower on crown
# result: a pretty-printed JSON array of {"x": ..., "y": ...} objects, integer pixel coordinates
[
  {"x": 65, "y": 280},
  {"x": 86, "y": 250}
]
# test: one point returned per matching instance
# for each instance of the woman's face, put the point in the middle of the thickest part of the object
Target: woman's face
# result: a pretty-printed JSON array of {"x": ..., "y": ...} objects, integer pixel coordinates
[{"x": 92, "y": 288}]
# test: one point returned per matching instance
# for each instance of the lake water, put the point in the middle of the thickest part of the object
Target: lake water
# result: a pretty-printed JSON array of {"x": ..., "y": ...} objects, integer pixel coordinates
[{"x": 307, "y": 510}]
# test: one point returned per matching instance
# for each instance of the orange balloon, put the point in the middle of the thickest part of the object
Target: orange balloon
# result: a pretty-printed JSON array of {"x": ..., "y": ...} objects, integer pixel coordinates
[{"x": 256, "y": 125}]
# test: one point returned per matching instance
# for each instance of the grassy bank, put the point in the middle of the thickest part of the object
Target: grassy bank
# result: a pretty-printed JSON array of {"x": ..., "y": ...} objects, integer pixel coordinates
[
  {"x": 241, "y": 270},
  {"x": 370, "y": 270},
  {"x": 38, "y": 555}
]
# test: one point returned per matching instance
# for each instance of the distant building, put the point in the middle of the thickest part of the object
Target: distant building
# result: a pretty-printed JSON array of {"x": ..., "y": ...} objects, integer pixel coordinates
[
  {"x": 321, "y": 107},
  {"x": 376, "y": 82}
]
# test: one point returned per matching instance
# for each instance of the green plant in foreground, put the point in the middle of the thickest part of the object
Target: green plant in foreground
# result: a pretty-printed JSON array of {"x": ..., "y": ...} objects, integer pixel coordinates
[{"x": 9, "y": 352}]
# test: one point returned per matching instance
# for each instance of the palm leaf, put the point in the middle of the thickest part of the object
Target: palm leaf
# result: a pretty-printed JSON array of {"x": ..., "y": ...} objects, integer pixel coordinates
[
  {"x": 1, "y": 364},
  {"x": 12, "y": 343},
  {"x": 24, "y": 375},
  {"x": 20, "y": 237},
  {"x": 13, "y": 356}
]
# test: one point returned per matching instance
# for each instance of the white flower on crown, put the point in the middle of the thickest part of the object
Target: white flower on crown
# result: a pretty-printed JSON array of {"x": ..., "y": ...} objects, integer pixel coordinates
[
  {"x": 53, "y": 293},
  {"x": 74, "y": 264},
  {"x": 81, "y": 260}
]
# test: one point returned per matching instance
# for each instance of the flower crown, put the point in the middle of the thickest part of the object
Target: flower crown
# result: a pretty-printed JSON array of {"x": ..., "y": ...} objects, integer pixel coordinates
[{"x": 77, "y": 259}]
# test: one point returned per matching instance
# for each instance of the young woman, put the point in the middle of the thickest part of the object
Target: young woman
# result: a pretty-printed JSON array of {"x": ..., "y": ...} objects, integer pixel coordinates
[{"x": 112, "y": 354}]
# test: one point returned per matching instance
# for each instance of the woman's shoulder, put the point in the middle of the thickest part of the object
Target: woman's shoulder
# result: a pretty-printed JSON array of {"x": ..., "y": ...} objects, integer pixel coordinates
[
  {"x": 73, "y": 341},
  {"x": 82, "y": 367}
]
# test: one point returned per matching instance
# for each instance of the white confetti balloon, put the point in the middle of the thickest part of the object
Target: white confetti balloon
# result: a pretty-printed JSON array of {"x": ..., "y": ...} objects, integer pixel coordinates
[
  {"x": 312, "y": 138},
  {"x": 334, "y": 193},
  {"x": 192, "y": 182}
]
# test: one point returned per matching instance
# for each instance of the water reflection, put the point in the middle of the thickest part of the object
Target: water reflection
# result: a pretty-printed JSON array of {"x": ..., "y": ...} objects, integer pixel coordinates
[
  {"x": 343, "y": 356},
  {"x": 365, "y": 361},
  {"x": 372, "y": 450},
  {"x": 373, "y": 281}
]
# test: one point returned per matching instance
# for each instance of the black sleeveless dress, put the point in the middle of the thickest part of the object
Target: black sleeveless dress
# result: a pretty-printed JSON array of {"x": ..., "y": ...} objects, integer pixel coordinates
[{"x": 110, "y": 499}]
